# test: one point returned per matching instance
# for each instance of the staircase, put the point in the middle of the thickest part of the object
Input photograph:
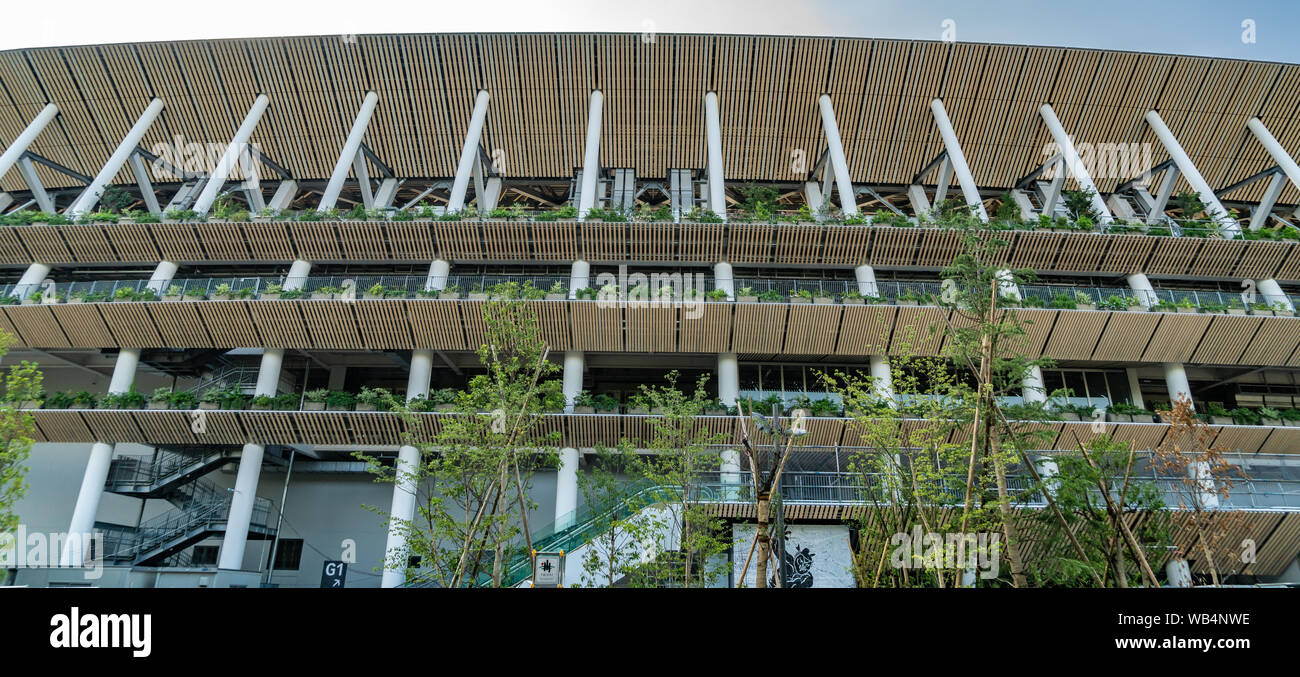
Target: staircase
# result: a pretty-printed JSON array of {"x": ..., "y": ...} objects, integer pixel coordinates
[
  {"x": 202, "y": 512},
  {"x": 163, "y": 474}
]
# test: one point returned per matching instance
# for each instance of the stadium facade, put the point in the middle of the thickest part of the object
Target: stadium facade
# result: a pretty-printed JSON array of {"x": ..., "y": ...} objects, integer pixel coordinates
[{"x": 236, "y": 272}]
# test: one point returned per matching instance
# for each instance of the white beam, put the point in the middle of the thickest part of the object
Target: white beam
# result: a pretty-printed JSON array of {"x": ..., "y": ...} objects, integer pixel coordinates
[
  {"x": 351, "y": 150},
  {"x": 1227, "y": 225},
  {"x": 591, "y": 157},
  {"x": 968, "y": 188},
  {"x": 238, "y": 146},
  {"x": 144, "y": 184},
  {"x": 468, "y": 153},
  {"x": 839, "y": 165},
  {"x": 25, "y": 138},
  {"x": 1275, "y": 149},
  {"x": 717, "y": 185},
  {"x": 124, "y": 151},
  {"x": 1158, "y": 203},
  {"x": 28, "y": 171},
  {"x": 1259, "y": 217},
  {"x": 1073, "y": 165}
]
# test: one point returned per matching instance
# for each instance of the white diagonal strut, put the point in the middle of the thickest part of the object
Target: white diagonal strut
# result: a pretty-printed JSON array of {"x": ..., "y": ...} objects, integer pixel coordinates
[
  {"x": 238, "y": 146},
  {"x": 839, "y": 165},
  {"x": 969, "y": 190},
  {"x": 591, "y": 157},
  {"x": 468, "y": 153},
  {"x": 1227, "y": 225},
  {"x": 713, "y": 128},
  {"x": 351, "y": 148},
  {"x": 1275, "y": 149},
  {"x": 90, "y": 197},
  {"x": 1073, "y": 165},
  {"x": 25, "y": 138}
]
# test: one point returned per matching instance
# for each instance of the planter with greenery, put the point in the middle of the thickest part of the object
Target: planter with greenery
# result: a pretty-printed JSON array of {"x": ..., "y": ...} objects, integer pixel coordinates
[
  {"x": 183, "y": 401},
  {"x": 1217, "y": 415},
  {"x": 161, "y": 399},
  {"x": 443, "y": 399},
  {"x": 1269, "y": 416},
  {"x": 584, "y": 403},
  {"x": 801, "y": 296},
  {"x": 340, "y": 400},
  {"x": 262, "y": 403},
  {"x": 852, "y": 297},
  {"x": 314, "y": 400},
  {"x": 557, "y": 292},
  {"x": 82, "y": 400},
  {"x": 371, "y": 399},
  {"x": 746, "y": 295}
]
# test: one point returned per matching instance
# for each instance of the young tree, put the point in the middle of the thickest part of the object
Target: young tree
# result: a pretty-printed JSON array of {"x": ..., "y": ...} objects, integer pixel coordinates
[
  {"x": 613, "y": 551},
  {"x": 1098, "y": 494},
  {"x": 1206, "y": 477},
  {"x": 472, "y": 481},
  {"x": 680, "y": 458},
  {"x": 23, "y": 382}
]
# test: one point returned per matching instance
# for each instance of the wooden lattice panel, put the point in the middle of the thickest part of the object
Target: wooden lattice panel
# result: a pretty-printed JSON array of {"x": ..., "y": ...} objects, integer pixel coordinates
[
  {"x": 225, "y": 241},
  {"x": 1176, "y": 338},
  {"x": 846, "y": 245},
  {"x": 11, "y": 247},
  {"x": 131, "y": 324},
  {"x": 458, "y": 240},
  {"x": 505, "y": 240},
  {"x": 229, "y": 323},
  {"x": 749, "y": 242},
  {"x": 811, "y": 329},
  {"x": 1126, "y": 336},
  {"x": 410, "y": 241},
  {"x": 37, "y": 326},
  {"x": 178, "y": 242},
  {"x": 651, "y": 330},
  {"x": 84, "y": 326},
  {"x": 708, "y": 333},
  {"x": 1226, "y": 339},
  {"x": 88, "y": 243},
  {"x": 363, "y": 241},
  {"x": 383, "y": 324},
  {"x": 46, "y": 244},
  {"x": 437, "y": 325},
  {"x": 280, "y": 323},
  {"x": 758, "y": 327},
  {"x": 132, "y": 242},
  {"x": 269, "y": 241},
  {"x": 596, "y": 328}
]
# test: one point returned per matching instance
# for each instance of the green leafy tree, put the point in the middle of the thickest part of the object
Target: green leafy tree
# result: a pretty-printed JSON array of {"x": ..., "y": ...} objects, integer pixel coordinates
[
  {"x": 472, "y": 481},
  {"x": 23, "y": 382},
  {"x": 613, "y": 552}
]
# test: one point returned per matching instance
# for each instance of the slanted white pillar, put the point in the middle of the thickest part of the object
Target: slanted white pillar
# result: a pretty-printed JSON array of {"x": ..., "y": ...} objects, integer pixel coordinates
[
  {"x": 1034, "y": 390},
  {"x": 723, "y": 279},
  {"x": 438, "y": 273},
  {"x": 83, "y": 514},
  {"x": 1073, "y": 165},
  {"x": 27, "y": 169},
  {"x": 468, "y": 153},
  {"x": 839, "y": 164},
  {"x": 25, "y": 138},
  {"x": 162, "y": 276},
  {"x": 237, "y": 148},
  {"x": 566, "y": 489},
  {"x": 1178, "y": 573},
  {"x": 250, "y": 462},
  {"x": 1259, "y": 217},
  {"x": 351, "y": 151},
  {"x": 1227, "y": 225},
  {"x": 882, "y": 379},
  {"x": 1176, "y": 380},
  {"x": 579, "y": 278},
  {"x": 866, "y": 276},
  {"x": 1142, "y": 289},
  {"x": 1275, "y": 150},
  {"x": 969, "y": 190},
  {"x": 144, "y": 184},
  {"x": 1007, "y": 286},
  {"x": 573, "y": 366},
  {"x": 1199, "y": 473},
  {"x": 31, "y": 280},
  {"x": 591, "y": 157},
  {"x": 717, "y": 185},
  {"x": 728, "y": 379},
  {"x": 90, "y": 197},
  {"x": 1273, "y": 294},
  {"x": 404, "y": 489},
  {"x": 1049, "y": 471}
]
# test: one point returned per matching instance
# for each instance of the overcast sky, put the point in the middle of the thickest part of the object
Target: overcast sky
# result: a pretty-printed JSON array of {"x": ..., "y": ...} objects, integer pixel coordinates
[{"x": 1203, "y": 27}]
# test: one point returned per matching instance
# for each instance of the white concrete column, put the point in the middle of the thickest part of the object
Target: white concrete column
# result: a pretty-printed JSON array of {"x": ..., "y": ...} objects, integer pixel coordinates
[
  {"x": 591, "y": 158},
  {"x": 882, "y": 380},
  {"x": 31, "y": 280},
  {"x": 1135, "y": 388},
  {"x": 1273, "y": 294},
  {"x": 717, "y": 184},
  {"x": 1142, "y": 289},
  {"x": 1007, "y": 287},
  {"x": 468, "y": 153},
  {"x": 162, "y": 276},
  {"x": 1048, "y": 470},
  {"x": 1073, "y": 165},
  {"x": 579, "y": 278},
  {"x": 90, "y": 197},
  {"x": 1262, "y": 211},
  {"x": 839, "y": 163},
  {"x": 729, "y": 474},
  {"x": 1176, "y": 379},
  {"x": 1199, "y": 473},
  {"x": 404, "y": 489},
  {"x": 401, "y": 515},
  {"x": 299, "y": 270},
  {"x": 438, "y": 273},
  {"x": 237, "y": 148},
  {"x": 1229, "y": 226},
  {"x": 124, "y": 371},
  {"x": 1178, "y": 573},
  {"x": 969, "y": 190},
  {"x": 572, "y": 386},
  {"x": 566, "y": 489},
  {"x": 351, "y": 148},
  {"x": 241, "y": 507},
  {"x": 83, "y": 514},
  {"x": 1034, "y": 390},
  {"x": 1275, "y": 149},
  {"x": 25, "y": 138},
  {"x": 866, "y": 280},
  {"x": 724, "y": 279},
  {"x": 728, "y": 379}
]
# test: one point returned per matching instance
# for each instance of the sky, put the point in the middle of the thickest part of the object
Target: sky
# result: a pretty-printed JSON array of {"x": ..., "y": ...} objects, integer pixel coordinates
[{"x": 1265, "y": 30}]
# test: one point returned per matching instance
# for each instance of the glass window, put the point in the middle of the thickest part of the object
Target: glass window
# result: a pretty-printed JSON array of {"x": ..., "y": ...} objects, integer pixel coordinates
[
  {"x": 1074, "y": 381},
  {"x": 1097, "y": 385}
]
